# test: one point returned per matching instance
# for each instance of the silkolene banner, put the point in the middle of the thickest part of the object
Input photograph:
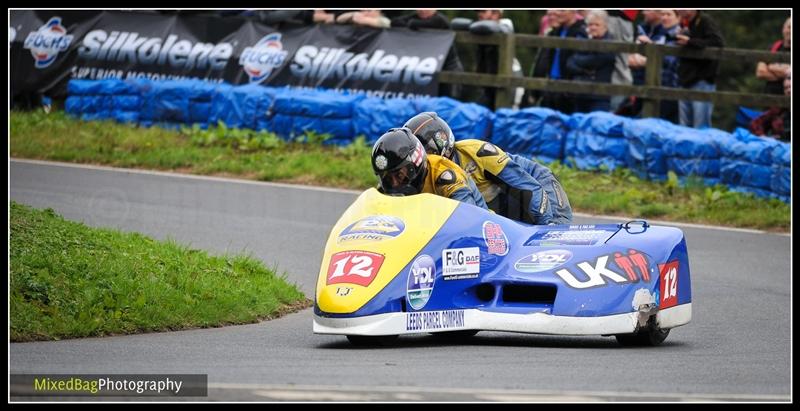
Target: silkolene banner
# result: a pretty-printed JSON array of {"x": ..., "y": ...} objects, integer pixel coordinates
[{"x": 50, "y": 47}]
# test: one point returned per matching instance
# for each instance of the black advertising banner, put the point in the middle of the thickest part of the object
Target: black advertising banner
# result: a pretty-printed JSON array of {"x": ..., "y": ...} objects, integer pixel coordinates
[{"x": 48, "y": 48}]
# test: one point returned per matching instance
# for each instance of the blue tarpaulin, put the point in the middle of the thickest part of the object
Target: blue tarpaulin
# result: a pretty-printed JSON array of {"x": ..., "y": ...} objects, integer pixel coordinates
[{"x": 534, "y": 131}]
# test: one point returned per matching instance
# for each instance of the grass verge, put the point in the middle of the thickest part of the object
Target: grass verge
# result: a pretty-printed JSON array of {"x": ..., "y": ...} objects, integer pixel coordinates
[
  {"x": 264, "y": 156},
  {"x": 69, "y": 280}
]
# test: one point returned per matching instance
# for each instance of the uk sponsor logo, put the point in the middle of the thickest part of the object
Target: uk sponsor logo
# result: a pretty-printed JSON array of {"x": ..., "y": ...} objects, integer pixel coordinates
[
  {"x": 421, "y": 278},
  {"x": 542, "y": 261},
  {"x": 668, "y": 284},
  {"x": 461, "y": 263},
  {"x": 495, "y": 238},
  {"x": 435, "y": 320},
  {"x": 354, "y": 267},
  {"x": 632, "y": 267},
  {"x": 261, "y": 60},
  {"x": 46, "y": 42},
  {"x": 372, "y": 228}
]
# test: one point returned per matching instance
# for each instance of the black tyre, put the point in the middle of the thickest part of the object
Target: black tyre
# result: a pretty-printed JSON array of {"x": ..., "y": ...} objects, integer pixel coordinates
[
  {"x": 456, "y": 335},
  {"x": 649, "y": 337},
  {"x": 372, "y": 341}
]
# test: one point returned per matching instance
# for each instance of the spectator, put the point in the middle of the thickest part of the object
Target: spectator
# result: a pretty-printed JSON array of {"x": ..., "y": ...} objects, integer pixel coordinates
[
  {"x": 423, "y": 18},
  {"x": 775, "y": 73},
  {"x": 367, "y": 17},
  {"x": 776, "y": 122},
  {"x": 323, "y": 17},
  {"x": 552, "y": 62},
  {"x": 432, "y": 19},
  {"x": 489, "y": 22},
  {"x": 699, "y": 32},
  {"x": 647, "y": 32},
  {"x": 664, "y": 32},
  {"x": 547, "y": 22},
  {"x": 547, "y": 25},
  {"x": 590, "y": 66},
  {"x": 620, "y": 28}
]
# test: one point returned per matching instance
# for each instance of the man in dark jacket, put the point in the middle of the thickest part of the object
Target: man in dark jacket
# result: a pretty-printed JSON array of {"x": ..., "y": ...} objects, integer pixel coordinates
[
  {"x": 700, "y": 31},
  {"x": 596, "y": 67},
  {"x": 432, "y": 19},
  {"x": 552, "y": 62}
]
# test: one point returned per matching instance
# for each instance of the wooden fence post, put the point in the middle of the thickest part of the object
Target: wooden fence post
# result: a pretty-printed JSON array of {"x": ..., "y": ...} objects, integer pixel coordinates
[
  {"x": 655, "y": 59},
  {"x": 504, "y": 97}
]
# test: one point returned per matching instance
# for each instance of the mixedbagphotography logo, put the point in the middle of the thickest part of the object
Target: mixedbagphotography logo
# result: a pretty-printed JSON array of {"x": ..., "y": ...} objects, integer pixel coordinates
[{"x": 101, "y": 385}]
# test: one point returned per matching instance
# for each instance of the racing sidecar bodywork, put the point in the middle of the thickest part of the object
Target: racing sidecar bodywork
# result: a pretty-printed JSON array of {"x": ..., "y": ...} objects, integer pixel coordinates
[{"x": 428, "y": 264}]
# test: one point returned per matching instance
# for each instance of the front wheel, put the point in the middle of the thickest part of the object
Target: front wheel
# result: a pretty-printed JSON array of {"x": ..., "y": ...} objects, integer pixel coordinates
[
  {"x": 455, "y": 335},
  {"x": 372, "y": 340},
  {"x": 649, "y": 337}
]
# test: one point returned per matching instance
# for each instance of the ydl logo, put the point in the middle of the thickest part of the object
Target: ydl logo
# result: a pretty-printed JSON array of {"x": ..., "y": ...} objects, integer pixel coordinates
[
  {"x": 259, "y": 61},
  {"x": 46, "y": 42}
]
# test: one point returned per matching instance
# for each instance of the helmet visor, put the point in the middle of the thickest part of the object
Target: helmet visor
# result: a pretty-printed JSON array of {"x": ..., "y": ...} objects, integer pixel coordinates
[{"x": 399, "y": 180}]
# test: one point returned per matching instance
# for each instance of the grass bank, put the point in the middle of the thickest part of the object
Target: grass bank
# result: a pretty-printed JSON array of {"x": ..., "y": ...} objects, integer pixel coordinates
[
  {"x": 69, "y": 280},
  {"x": 264, "y": 156}
]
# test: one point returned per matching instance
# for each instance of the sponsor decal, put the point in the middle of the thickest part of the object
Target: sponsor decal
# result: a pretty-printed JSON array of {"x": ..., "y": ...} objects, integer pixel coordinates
[
  {"x": 372, "y": 228},
  {"x": 441, "y": 139},
  {"x": 542, "y": 261},
  {"x": 181, "y": 54},
  {"x": 567, "y": 237},
  {"x": 46, "y": 42},
  {"x": 668, "y": 284},
  {"x": 343, "y": 291},
  {"x": 461, "y": 263},
  {"x": 417, "y": 154},
  {"x": 632, "y": 266},
  {"x": 381, "y": 162},
  {"x": 435, "y": 320},
  {"x": 354, "y": 267},
  {"x": 420, "y": 282},
  {"x": 495, "y": 238},
  {"x": 260, "y": 60},
  {"x": 339, "y": 64},
  {"x": 471, "y": 167}
]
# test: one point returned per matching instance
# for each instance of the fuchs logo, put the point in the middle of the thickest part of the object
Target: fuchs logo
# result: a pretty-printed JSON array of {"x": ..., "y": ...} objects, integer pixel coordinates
[
  {"x": 629, "y": 264},
  {"x": 420, "y": 282},
  {"x": 542, "y": 261},
  {"x": 373, "y": 228},
  {"x": 495, "y": 238},
  {"x": 47, "y": 42},
  {"x": 339, "y": 64},
  {"x": 182, "y": 54},
  {"x": 260, "y": 60}
]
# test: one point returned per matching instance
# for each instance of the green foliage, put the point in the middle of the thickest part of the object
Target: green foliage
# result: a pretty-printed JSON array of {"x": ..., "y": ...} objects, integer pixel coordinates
[
  {"x": 218, "y": 151},
  {"x": 68, "y": 280},
  {"x": 241, "y": 139}
]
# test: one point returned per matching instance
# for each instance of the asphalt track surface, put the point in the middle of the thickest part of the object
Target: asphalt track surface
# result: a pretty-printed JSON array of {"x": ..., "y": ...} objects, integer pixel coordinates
[{"x": 737, "y": 347}]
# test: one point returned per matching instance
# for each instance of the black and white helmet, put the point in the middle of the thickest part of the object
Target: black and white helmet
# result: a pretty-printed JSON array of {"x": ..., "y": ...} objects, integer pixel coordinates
[{"x": 400, "y": 162}]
